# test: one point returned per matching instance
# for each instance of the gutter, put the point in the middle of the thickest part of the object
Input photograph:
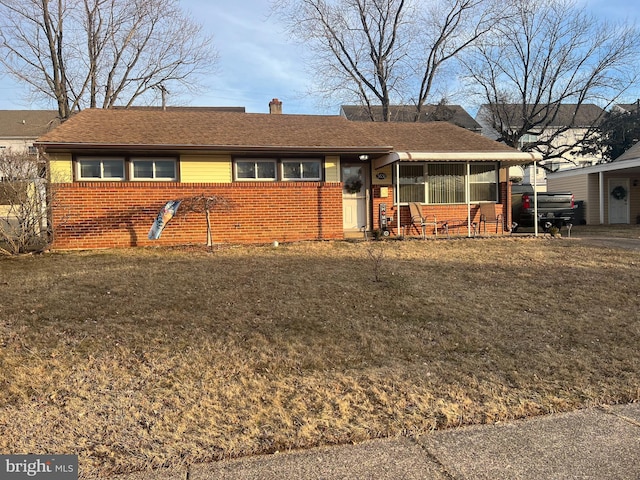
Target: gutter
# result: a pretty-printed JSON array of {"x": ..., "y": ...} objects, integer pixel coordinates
[{"x": 210, "y": 148}]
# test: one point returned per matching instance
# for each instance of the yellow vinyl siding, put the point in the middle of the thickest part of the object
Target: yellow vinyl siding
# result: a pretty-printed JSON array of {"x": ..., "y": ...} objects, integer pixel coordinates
[
  {"x": 332, "y": 168},
  {"x": 205, "y": 169},
  {"x": 61, "y": 167}
]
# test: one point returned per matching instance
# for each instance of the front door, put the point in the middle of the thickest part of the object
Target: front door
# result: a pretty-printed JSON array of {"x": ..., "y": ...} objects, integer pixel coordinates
[
  {"x": 354, "y": 197},
  {"x": 619, "y": 200}
]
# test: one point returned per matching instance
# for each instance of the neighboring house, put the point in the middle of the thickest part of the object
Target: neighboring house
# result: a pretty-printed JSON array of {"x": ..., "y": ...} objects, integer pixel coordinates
[
  {"x": 610, "y": 192},
  {"x": 627, "y": 107},
  {"x": 566, "y": 128},
  {"x": 285, "y": 177},
  {"x": 407, "y": 113},
  {"x": 18, "y": 131},
  {"x": 20, "y": 128}
]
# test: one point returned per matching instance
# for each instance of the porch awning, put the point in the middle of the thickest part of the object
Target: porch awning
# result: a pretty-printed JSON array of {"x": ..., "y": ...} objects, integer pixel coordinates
[{"x": 505, "y": 158}]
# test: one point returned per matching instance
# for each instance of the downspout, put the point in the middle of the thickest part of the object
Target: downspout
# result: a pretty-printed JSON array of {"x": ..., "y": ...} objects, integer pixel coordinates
[
  {"x": 369, "y": 203},
  {"x": 508, "y": 205},
  {"x": 467, "y": 194},
  {"x": 535, "y": 197},
  {"x": 396, "y": 193}
]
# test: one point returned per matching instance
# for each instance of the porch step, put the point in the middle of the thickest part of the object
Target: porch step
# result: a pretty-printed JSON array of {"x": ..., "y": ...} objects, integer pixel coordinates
[{"x": 355, "y": 235}]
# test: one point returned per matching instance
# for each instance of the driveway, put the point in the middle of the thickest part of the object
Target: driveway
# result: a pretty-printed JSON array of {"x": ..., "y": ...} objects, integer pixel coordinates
[{"x": 610, "y": 242}]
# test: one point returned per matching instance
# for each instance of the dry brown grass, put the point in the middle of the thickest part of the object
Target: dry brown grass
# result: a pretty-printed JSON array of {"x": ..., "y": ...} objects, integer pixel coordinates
[{"x": 144, "y": 358}]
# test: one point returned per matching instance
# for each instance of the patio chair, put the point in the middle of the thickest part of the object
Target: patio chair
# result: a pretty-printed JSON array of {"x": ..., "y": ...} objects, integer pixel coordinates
[
  {"x": 488, "y": 214},
  {"x": 418, "y": 219}
]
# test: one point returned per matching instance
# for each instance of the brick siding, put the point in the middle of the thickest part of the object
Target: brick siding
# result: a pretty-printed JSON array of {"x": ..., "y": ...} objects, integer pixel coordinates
[
  {"x": 120, "y": 214},
  {"x": 454, "y": 214}
]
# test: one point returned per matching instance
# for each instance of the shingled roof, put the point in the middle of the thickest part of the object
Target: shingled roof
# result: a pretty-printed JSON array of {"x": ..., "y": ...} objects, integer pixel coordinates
[
  {"x": 430, "y": 137},
  {"x": 629, "y": 107},
  {"x": 567, "y": 115},
  {"x": 206, "y": 128},
  {"x": 27, "y": 123},
  {"x": 191, "y": 129},
  {"x": 407, "y": 113},
  {"x": 632, "y": 153}
]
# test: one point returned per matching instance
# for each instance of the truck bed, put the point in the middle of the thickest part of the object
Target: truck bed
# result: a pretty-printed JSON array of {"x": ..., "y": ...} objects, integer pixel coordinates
[{"x": 554, "y": 208}]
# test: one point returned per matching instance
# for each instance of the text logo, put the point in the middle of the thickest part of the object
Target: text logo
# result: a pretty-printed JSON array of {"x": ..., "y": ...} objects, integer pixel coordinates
[{"x": 45, "y": 467}]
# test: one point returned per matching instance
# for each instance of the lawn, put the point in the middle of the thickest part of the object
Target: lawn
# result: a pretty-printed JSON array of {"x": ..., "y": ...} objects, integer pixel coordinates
[{"x": 143, "y": 358}]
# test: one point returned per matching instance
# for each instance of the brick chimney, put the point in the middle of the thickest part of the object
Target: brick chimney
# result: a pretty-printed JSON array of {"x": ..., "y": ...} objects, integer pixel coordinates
[{"x": 275, "y": 107}]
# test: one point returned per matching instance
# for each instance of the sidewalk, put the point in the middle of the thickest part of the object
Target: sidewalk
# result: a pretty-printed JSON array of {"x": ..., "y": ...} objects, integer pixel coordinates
[{"x": 597, "y": 443}]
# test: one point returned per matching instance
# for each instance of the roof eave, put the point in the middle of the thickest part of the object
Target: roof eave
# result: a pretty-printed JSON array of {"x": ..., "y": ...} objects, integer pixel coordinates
[{"x": 599, "y": 168}]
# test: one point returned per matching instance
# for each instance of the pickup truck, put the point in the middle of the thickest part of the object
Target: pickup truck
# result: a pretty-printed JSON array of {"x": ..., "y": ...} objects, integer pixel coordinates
[{"x": 554, "y": 208}]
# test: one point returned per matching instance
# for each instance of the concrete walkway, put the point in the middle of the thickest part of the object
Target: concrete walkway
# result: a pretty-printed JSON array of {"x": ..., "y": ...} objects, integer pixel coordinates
[
  {"x": 610, "y": 242},
  {"x": 596, "y": 443}
]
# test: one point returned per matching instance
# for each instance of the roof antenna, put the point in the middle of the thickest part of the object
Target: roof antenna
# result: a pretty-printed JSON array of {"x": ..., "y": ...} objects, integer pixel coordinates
[{"x": 163, "y": 92}]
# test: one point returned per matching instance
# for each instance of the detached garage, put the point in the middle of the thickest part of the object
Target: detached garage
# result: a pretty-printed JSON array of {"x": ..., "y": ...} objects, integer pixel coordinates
[{"x": 610, "y": 192}]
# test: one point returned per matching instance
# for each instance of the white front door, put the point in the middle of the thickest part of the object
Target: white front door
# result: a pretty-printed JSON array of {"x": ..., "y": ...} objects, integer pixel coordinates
[
  {"x": 619, "y": 200},
  {"x": 354, "y": 197}
]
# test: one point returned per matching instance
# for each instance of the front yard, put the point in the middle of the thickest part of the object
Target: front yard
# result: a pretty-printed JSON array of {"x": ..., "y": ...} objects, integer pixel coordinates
[{"x": 144, "y": 358}]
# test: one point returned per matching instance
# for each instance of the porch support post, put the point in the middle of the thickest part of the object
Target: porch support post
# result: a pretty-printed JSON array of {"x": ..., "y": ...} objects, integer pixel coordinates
[
  {"x": 535, "y": 198},
  {"x": 467, "y": 194},
  {"x": 396, "y": 191},
  {"x": 601, "y": 195}
]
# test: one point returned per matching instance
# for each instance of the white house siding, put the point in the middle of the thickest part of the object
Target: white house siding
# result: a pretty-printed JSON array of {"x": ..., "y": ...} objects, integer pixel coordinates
[
  {"x": 16, "y": 145},
  {"x": 571, "y": 159}
]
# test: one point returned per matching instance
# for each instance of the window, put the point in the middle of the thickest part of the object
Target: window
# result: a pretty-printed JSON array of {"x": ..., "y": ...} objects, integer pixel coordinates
[
  {"x": 412, "y": 183},
  {"x": 153, "y": 169},
  {"x": 301, "y": 170},
  {"x": 446, "y": 182},
  {"x": 272, "y": 169},
  {"x": 483, "y": 182},
  {"x": 527, "y": 139},
  {"x": 443, "y": 183},
  {"x": 113, "y": 168},
  {"x": 94, "y": 168},
  {"x": 255, "y": 169}
]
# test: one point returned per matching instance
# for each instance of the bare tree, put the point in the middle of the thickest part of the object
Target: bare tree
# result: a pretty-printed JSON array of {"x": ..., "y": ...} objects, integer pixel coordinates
[
  {"x": 24, "y": 201},
  {"x": 618, "y": 132},
  {"x": 544, "y": 67},
  {"x": 380, "y": 51},
  {"x": 100, "y": 53},
  {"x": 208, "y": 204}
]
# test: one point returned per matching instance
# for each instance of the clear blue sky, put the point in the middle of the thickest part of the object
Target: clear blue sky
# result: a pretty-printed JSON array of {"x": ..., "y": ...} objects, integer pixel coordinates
[{"x": 257, "y": 61}]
